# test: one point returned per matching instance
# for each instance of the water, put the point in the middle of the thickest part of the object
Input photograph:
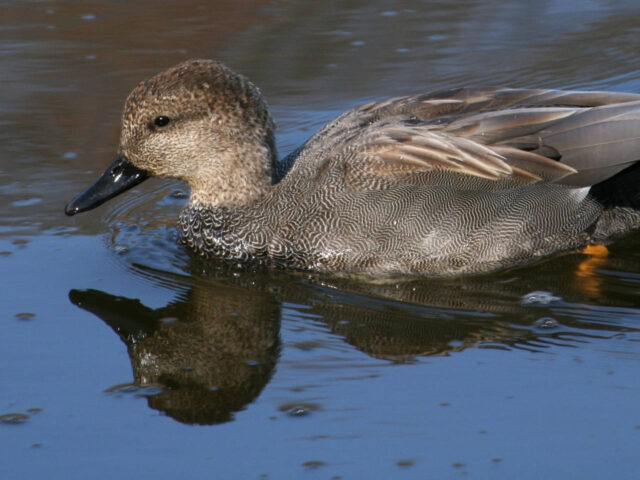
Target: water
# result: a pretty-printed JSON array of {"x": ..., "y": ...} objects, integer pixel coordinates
[{"x": 123, "y": 356}]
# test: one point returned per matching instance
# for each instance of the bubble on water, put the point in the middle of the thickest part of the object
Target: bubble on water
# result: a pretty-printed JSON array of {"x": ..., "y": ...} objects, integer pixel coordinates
[
  {"x": 69, "y": 155},
  {"x": 539, "y": 297},
  {"x": 178, "y": 194},
  {"x": 299, "y": 409},
  {"x": 121, "y": 249},
  {"x": 298, "y": 412},
  {"x": 547, "y": 323},
  {"x": 89, "y": 16}
]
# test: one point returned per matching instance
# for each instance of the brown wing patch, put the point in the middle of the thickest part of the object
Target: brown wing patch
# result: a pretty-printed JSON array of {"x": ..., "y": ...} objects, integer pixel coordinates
[
  {"x": 544, "y": 168},
  {"x": 424, "y": 150},
  {"x": 405, "y": 150}
]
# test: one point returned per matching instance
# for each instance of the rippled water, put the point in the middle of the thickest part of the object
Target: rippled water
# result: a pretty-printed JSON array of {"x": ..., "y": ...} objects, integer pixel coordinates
[{"x": 122, "y": 355}]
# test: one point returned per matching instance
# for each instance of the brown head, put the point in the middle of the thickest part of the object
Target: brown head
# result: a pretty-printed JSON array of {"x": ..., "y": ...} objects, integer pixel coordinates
[{"x": 199, "y": 122}]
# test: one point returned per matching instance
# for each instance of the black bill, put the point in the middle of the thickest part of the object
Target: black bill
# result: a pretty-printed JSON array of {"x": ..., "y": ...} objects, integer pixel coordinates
[{"x": 119, "y": 177}]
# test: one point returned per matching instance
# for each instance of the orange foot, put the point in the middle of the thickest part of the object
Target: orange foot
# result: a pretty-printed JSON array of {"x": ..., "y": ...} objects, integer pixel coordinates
[{"x": 587, "y": 279}]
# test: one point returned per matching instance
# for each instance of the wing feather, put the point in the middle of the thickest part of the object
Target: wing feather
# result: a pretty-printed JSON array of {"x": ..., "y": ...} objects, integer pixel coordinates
[{"x": 506, "y": 136}]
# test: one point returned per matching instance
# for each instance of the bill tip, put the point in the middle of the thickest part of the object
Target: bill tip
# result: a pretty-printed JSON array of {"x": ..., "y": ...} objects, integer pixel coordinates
[{"x": 71, "y": 209}]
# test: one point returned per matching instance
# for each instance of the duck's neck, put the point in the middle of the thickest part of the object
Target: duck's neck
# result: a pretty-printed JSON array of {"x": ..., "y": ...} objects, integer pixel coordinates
[
  {"x": 238, "y": 182},
  {"x": 221, "y": 232}
]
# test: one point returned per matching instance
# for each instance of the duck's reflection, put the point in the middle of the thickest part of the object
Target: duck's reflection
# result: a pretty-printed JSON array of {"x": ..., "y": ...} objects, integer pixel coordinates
[
  {"x": 214, "y": 349},
  {"x": 560, "y": 302},
  {"x": 210, "y": 352}
]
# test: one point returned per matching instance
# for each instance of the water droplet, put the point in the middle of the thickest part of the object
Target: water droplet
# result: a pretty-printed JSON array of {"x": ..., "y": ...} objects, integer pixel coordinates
[
  {"x": 539, "y": 297},
  {"x": 547, "y": 323},
  {"x": 299, "y": 409},
  {"x": 298, "y": 412},
  {"x": 121, "y": 249}
]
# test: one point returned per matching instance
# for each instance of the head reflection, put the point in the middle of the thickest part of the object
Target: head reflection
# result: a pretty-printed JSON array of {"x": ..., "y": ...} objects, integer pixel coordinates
[{"x": 210, "y": 352}]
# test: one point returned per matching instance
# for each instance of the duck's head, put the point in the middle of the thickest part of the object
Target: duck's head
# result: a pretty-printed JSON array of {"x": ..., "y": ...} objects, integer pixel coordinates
[{"x": 198, "y": 122}]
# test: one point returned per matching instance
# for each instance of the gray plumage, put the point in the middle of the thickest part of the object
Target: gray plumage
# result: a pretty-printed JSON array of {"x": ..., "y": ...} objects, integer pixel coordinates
[{"x": 466, "y": 180}]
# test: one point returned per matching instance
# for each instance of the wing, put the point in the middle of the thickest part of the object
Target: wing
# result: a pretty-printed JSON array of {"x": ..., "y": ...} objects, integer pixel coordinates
[{"x": 482, "y": 138}]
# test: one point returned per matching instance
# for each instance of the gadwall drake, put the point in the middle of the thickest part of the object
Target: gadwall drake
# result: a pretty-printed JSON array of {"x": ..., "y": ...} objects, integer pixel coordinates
[{"x": 457, "y": 181}]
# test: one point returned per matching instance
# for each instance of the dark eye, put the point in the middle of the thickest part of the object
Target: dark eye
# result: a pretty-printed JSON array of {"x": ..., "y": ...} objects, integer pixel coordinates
[{"x": 161, "y": 121}]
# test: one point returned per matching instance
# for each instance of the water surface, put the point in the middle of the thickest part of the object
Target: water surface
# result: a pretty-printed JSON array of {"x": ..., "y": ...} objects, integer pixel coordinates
[{"x": 124, "y": 356}]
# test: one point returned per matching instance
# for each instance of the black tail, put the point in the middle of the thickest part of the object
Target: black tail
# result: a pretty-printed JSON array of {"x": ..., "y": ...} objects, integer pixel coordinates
[{"x": 621, "y": 190}]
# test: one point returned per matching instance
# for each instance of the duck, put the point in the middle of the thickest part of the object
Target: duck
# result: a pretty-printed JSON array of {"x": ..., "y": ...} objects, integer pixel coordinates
[{"x": 461, "y": 181}]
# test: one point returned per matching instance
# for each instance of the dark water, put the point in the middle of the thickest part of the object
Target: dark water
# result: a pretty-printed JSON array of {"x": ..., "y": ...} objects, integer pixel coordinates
[{"x": 121, "y": 356}]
